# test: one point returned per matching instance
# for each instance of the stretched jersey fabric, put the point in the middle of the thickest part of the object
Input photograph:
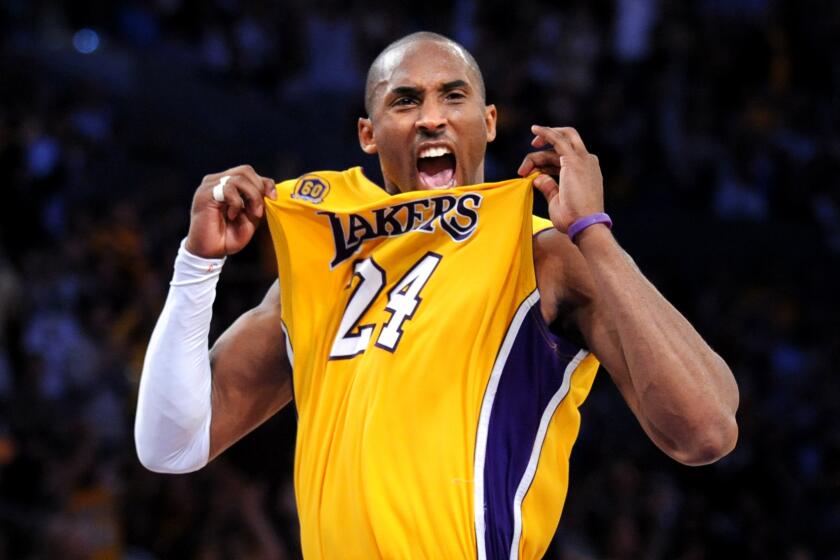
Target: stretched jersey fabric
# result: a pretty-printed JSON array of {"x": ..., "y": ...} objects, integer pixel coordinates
[{"x": 436, "y": 411}]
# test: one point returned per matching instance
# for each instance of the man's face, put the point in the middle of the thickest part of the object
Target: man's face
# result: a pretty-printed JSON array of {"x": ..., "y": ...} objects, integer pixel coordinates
[{"x": 428, "y": 121}]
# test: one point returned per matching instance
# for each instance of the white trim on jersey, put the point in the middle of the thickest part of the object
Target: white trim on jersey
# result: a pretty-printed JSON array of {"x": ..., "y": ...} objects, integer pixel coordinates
[
  {"x": 289, "y": 353},
  {"x": 531, "y": 469},
  {"x": 484, "y": 417}
]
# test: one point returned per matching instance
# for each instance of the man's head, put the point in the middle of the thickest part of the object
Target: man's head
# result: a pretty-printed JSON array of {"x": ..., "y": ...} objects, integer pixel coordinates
[{"x": 427, "y": 118}]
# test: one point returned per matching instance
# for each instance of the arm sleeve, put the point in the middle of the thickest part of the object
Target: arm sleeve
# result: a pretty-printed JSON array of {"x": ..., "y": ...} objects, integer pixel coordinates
[{"x": 172, "y": 426}]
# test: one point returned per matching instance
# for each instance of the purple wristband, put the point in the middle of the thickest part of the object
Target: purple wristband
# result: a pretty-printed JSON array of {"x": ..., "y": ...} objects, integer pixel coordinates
[{"x": 582, "y": 223}]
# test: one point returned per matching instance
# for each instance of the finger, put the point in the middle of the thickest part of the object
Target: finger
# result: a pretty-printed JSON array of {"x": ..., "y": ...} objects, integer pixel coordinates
[
  {"x": 529, "y": 166},
  {"x": 525, "y": 167},
  {"x": 270, "y": 189},
  {"x": 251, "y": 196},
  {"x": 542, "y": 160},
  {"x": 574, "y": 139},
  {"x": 232, "y": 204},
  {"x": 558, "y": 140},
  {"x": 547, "y": 186},
  {"x": 236, "y": 194},
  {"x": 567, "y": 133},
  {"x": 248, "y": 173},
  {"x": 263, "y": 184}
]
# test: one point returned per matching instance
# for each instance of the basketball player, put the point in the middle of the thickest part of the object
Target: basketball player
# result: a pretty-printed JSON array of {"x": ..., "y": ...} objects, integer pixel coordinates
[{"x": 436, "y": 412}]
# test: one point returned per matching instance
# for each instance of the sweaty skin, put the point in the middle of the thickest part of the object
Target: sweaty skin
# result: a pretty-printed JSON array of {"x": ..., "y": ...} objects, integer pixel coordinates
[{"x": 427, "y": 94}]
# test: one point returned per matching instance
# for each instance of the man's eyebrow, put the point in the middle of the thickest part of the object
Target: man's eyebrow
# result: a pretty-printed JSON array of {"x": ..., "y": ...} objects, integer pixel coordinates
[
  {"x": 415, "y": 92},
  {"x": 454, "y": 84},
  {"x": 406, "y": 90}
]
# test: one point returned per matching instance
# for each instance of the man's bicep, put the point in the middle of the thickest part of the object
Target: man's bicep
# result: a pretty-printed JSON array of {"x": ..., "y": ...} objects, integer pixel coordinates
[{"x": 251, "y": 373}]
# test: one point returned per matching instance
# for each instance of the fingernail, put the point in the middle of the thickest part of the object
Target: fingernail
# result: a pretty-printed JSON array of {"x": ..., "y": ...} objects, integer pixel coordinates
[{"x": 273, "y": 193}]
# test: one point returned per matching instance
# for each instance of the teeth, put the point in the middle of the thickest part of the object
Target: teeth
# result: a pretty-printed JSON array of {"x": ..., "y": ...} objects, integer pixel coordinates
[{"x": 434, "y": 152}]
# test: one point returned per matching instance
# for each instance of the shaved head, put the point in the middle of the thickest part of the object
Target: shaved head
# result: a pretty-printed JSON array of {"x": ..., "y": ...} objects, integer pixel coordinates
[{"x": 391, "y": 53}]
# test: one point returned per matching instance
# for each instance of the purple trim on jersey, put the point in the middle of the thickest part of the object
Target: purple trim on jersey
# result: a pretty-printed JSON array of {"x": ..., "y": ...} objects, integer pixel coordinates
[{"x": 531, "y": 376}]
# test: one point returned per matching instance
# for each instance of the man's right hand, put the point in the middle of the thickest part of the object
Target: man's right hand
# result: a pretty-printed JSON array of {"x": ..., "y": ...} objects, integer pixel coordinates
[{"x": 218, "y": 229}]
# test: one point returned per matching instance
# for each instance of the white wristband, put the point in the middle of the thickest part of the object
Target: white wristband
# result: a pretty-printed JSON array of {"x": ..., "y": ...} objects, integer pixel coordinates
[{"x": 172, "y": 427}]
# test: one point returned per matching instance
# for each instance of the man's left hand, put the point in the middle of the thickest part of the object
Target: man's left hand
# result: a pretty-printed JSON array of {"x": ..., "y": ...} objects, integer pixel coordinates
[{"x": 579, "y": 188}]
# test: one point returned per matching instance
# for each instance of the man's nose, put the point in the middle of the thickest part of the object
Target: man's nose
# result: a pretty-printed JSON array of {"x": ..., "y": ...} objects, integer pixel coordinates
[{"x": 432, "y": 119}]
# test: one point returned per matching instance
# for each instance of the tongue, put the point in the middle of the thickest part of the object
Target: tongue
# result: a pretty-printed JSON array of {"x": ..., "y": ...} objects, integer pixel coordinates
[{"x": 436, "y": 172}]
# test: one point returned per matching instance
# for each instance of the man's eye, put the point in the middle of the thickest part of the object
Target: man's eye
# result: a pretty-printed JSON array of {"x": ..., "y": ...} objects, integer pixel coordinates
[
  {"x": 455, "y": 95},
  {"x": 405, "y": 101}
]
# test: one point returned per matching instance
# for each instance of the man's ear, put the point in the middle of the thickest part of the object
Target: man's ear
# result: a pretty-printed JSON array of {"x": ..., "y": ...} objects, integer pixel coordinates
[
  {"x": 490, "y": 122},
  {"x": 366, "y": 140}
]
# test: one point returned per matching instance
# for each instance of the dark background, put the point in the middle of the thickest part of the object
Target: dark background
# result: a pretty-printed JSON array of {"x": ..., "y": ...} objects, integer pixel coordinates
[{"x": 716, "y": 124}]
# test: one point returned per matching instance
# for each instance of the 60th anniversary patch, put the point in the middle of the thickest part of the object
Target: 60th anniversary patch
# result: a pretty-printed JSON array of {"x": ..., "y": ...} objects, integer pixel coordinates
[{"x": 311, "y": 189}]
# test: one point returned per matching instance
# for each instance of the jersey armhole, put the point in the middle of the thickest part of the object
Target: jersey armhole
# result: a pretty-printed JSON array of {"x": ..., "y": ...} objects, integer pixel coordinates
[
  {"x": 539, "y": 225},
  {"x": 557, "y": 328}
]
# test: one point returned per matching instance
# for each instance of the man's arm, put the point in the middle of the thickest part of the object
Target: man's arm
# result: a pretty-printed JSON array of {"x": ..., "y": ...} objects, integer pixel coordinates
[
  {"x": 189, "y": 410},
  {"x": 252, "y": 377},
  {"x": 682, "y": 392}
]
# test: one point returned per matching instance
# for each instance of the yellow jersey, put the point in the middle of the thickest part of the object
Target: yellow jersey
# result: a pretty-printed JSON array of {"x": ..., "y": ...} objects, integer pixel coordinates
[{"x": 436, "y": 410}]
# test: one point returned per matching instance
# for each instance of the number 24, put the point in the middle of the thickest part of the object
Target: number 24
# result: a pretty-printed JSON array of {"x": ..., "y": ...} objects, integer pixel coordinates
[{"x": 352, "y": 338}]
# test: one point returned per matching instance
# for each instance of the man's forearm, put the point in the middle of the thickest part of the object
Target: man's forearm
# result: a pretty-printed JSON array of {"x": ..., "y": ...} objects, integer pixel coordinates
[
  {"x": 682, "y": 388},
  {"x": 172, "y": 427}
]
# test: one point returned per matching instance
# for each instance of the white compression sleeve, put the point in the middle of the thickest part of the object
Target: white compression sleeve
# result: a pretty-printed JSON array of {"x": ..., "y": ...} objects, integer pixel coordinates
[{"x": 172, "y": 427}]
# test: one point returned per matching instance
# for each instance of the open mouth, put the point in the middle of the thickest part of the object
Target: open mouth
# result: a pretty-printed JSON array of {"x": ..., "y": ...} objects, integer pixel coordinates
[{"x": 436, "y": 168}]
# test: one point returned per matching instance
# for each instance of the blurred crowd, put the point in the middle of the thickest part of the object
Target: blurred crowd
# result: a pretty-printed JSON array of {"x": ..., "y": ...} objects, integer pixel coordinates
[{"x": 717, "y": 124}]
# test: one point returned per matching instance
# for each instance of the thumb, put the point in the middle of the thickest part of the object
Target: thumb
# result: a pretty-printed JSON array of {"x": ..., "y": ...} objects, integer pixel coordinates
[{"x": 547, "y": 186}]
